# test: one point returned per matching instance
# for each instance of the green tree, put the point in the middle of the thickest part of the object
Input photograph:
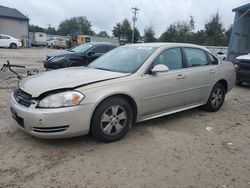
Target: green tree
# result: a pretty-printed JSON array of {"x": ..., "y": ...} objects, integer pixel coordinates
[
  {"x": 228, "y": 34},
  {"x": 124, "y": 28},
  {"x": 200, "y": 37},
  {"x": 149, "y": 34},
  {"x": 35, "y": 28},
  {"x": 102, "y": 34},
  {"x": 51, "y": 30},
  {"x": 79, "y": 25},
  {"x": 137, "y": 35},
  {"x": 170, "y": 35},
  {"x": 214, "y": 31},
  {"x": 179, "y": 32},
  {"x": 117, "y": 30}
]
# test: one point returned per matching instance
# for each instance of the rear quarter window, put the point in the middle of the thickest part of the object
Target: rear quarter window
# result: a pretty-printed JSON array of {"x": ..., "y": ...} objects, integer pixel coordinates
[
  {"x": 195, "y": 57},
  {"x": 212, "y": 60}
]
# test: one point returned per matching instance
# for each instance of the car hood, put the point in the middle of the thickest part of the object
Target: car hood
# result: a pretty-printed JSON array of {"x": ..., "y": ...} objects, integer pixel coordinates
[
  {"x": 59, "y": 52},
  {"x": 65, "y": 79},
  {"x": 244, "y": 57}
]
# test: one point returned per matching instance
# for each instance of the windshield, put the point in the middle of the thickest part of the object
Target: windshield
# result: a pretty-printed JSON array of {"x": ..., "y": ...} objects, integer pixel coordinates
[
  {"x": 126, "y": 59},
  {"x": 82, "y": 48}
]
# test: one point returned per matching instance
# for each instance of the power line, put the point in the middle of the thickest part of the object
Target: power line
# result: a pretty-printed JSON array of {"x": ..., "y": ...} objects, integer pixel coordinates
[{"x": 134, "y": 10}]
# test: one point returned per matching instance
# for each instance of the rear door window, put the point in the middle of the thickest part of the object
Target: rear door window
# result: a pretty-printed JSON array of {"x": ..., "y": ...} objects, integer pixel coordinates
[
  {"x": 195, "y": 57},
  {"x": 110, "y": 48},
  {"x": 100, "y": 49}
]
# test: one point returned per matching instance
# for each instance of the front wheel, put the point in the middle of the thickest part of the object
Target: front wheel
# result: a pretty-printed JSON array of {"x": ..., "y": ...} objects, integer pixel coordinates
[
  {"x": 112, "y": 119},
  {"x": 13, "y": 46},
  {"x": 216, "y": 98}
]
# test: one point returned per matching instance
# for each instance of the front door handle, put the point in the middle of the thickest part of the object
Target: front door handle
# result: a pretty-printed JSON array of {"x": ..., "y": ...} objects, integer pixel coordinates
[
  {"x": 211, "y": 71},
  {"x": 180, "y": 76}
]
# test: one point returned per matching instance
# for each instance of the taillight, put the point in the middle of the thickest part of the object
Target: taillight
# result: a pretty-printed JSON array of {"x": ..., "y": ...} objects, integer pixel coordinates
[{"x": 236, "y": 67}]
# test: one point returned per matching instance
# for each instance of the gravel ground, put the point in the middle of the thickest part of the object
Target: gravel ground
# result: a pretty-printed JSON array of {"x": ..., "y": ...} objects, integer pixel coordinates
[{"x": 179, "y": 150}]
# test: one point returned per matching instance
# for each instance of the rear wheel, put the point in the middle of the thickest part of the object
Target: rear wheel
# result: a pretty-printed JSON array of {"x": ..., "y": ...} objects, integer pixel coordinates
[
  {"x": 216, "y": 98},
  {"x": 112, "y": 119},
  {"x": 13, "y": 46}
]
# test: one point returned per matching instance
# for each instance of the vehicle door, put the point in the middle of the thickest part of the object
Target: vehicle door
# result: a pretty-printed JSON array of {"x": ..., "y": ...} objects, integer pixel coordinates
[
  {"x": 200, "y": 72},
  {"x": 4, "y": 41},
  {"x": 96, "y": 52},
  {"x": 165, "y": 91}
]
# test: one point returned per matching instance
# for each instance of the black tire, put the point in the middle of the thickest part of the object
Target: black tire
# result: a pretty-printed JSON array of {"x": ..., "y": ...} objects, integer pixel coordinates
[
  {"x": 99, "y": 123},
  {"x": 13, "y": 46},
  {"x": 239, "y": 83},
  {"x": 216, "y": 98}
]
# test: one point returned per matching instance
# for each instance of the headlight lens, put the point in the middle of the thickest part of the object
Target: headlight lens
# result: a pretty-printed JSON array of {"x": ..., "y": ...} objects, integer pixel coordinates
[
  {"x": 64, "y": 99},
  {"x": 55, "y": 59}
]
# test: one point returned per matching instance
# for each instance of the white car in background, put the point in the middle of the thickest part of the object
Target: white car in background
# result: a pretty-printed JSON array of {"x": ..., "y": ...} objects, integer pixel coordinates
[
  {"x": 56, "y": 42},
  {"x": 9, "y": 42},
  {"x": 222, "y": 55}
]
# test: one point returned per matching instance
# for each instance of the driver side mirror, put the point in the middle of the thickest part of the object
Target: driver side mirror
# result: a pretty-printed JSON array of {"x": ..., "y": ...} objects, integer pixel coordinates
[
  {"x": 91, "y": 53},
  {"x": 159, "y": 69}
]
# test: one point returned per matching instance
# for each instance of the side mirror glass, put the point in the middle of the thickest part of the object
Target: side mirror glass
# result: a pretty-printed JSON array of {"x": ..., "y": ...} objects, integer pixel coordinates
[{"x": 159, "y": 68}]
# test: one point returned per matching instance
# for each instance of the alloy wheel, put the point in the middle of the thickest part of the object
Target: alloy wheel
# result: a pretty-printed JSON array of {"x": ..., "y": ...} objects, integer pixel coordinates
[
  {"x": 113, "y": 120},
  {"x": 217, "y": 97}
]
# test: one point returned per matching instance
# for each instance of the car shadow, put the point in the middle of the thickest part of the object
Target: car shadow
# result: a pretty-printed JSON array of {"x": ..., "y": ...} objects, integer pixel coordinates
[{"x": 244, "y": 86}]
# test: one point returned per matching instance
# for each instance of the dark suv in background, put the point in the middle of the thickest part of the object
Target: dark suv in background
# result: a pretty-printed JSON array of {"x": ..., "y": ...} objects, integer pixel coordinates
[
  {"x": 242, "y": 65},
  {"x": 79, "y": 56}
]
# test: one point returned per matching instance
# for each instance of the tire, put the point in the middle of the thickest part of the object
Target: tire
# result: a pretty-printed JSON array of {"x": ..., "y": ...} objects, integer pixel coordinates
[
  {"x": 239, "y": 83},
  {"x": 13, "y": 46},
  {"x": 111, "y": 120},
  {"x": 216, "y": 98}
]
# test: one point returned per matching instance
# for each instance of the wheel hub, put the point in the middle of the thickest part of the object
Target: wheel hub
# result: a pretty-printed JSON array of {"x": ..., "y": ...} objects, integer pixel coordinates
[{"x": 113, "y": 120}]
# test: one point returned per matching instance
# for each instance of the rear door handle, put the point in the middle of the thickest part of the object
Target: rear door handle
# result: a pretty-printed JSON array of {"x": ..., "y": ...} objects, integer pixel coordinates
[
  {"x": 180, "y": 76},
  {"x": 211, "y": 71}
]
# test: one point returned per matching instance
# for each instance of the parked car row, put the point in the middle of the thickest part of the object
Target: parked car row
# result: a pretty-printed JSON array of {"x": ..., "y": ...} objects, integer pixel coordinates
[{"x": 129, "y": 84}]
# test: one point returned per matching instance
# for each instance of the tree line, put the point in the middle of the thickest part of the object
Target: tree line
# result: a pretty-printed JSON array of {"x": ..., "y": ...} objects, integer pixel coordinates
[{"x": 213, "y": 33}]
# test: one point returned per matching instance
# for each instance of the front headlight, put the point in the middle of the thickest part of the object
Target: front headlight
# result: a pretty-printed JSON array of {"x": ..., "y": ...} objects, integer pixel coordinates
[
  {"x": 56, "y": 59},
  {"x": 64, "y": 99}
]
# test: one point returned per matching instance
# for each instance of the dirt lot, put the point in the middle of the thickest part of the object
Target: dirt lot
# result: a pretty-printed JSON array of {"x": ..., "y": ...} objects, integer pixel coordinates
[{"x": 173, "y": 151}]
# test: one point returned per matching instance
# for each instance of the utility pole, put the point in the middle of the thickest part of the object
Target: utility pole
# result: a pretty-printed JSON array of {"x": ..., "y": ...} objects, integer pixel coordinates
[{"x": 134, "y": 10}]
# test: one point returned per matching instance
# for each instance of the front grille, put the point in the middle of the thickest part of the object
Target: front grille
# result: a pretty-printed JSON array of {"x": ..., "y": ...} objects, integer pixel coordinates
[
  {"x": 18, "y": 119},
  {"x": 244, "y": 65},
  {"x": 22, "y": 97},
  {"x": 50, "y": 129}
]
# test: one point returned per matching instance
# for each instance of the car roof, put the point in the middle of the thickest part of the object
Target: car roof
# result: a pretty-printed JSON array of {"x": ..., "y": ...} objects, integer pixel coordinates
[
  {"x": 101, "y": 43},
  {"x": 168, "y": 45}
]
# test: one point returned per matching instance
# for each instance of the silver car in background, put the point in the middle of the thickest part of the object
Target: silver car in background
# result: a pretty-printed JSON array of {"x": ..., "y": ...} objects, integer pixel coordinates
[{"x": 129, "y": 84}]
